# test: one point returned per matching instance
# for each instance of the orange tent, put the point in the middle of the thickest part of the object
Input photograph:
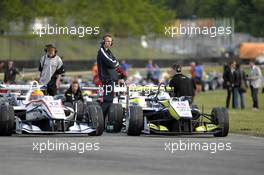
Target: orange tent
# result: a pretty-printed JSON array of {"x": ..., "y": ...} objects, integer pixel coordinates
[{"x": 251, "y": 50}]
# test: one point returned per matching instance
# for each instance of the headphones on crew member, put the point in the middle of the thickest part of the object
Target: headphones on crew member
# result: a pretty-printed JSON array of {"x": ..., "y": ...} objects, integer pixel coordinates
[
  {"x": 107, "y": 35},
  {"x": 177, "y": 68},
  {"x": 50, "y": 46}
]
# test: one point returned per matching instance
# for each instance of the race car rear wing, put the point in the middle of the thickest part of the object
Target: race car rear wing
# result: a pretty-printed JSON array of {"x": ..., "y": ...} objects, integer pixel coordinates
[{"x": 34, "y": 86}]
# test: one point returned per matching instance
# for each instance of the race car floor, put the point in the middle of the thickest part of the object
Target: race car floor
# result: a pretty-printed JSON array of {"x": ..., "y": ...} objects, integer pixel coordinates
[{"x": 120, "y": 154}]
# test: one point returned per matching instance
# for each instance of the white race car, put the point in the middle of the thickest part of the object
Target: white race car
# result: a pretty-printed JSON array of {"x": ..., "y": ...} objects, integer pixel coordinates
[{"x": 24, "y": 109}]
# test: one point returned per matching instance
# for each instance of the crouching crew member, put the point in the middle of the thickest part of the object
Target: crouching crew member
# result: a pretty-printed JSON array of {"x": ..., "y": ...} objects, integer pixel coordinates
[
  {"x": 74, "y": 93},
  {"x": 183, "y": 85}
]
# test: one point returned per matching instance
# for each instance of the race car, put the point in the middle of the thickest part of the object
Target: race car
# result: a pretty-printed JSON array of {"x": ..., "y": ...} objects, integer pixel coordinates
[
  {"x": 94, "y": 95},
  {"x": 29, "y": 111},
  {"x": 159, "y": 113}
]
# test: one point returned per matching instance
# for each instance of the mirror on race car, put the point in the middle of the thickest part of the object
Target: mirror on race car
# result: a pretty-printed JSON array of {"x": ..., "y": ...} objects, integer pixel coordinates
[{"x": 21, "y": 98}]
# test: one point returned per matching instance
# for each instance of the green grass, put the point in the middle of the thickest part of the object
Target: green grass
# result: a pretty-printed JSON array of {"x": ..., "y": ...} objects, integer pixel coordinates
[
  {"x": 244, "y": 121},
  {"x": 71, "y": 48}
]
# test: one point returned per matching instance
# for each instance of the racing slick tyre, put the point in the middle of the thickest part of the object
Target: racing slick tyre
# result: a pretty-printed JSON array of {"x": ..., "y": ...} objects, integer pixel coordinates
[
  {"x": 67, "y": 111},
  {"x": 115, "y": 117},
  {"x": 221, "y": 118},
  {"x": 96, "y": 119},
  {"x": 12, "y": 101},
  {"x": 195, "y": 112},
  {"x": 134, "y": 121},
  {"x": 80, "y": 108},
  {"x": 92, "y": 103},
  {"x": 7, "y": 119}
]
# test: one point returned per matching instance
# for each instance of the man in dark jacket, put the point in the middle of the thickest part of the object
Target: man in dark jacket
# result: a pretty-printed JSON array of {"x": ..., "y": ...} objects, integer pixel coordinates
[
  {"x": 228, "y": 77},
  {"x": 10, "y": 73},
  {"x": 107, "y": 65},
  {"x": 183, "y": 86},
  {"x": 240, "y": 87}
]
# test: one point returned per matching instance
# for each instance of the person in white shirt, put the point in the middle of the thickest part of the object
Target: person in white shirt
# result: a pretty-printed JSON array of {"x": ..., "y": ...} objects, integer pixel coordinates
[
  {"x": 50, "y": 68},
  {"x": 255, "y": 83}
]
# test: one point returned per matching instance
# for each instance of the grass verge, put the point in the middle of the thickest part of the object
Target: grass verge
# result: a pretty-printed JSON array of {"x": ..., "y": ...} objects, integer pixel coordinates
[{"x": 244, "y": 121}]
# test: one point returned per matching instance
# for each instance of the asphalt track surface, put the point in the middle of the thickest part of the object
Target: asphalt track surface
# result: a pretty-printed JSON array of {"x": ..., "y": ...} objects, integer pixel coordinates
[{"x": 120, "y": 154}]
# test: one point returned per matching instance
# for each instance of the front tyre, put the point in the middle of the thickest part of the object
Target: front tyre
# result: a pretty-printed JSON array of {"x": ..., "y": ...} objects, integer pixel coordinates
[
  {"x": 7, "y": 117},
  {"x": 115, "y": 117},
  {"x": 134, "y": 121},
  {"x": 221, "y": 118},
  {"x": 96, "y": 119}
]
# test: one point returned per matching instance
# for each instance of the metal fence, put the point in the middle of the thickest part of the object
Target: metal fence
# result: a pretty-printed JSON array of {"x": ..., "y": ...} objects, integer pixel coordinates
[{"x": 31, "y": 48}]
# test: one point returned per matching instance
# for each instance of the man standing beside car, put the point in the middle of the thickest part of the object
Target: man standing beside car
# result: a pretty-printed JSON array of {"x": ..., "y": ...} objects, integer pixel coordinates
[
  {"x": 107, "y": 65},
  {"x": 182, "y": 85},
  {"x": 51, "y": 68}
]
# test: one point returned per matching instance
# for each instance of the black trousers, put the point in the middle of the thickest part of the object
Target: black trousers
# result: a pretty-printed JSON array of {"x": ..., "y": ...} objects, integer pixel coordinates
[
  {"x": 254, "y": 95},
  {"x": 52, "y": 88},
  {"x": 108, "y": 96},
  {"x": 228, "y": 97}
]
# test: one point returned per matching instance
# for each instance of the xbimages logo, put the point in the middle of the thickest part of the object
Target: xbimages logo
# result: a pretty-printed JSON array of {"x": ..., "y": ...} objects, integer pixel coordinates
[
  {"x": 212, "y": 147},
  {"x": 80, "y": 31},
  {"x": 59, "y": 146},
  {"x": 212, "y": 31}
]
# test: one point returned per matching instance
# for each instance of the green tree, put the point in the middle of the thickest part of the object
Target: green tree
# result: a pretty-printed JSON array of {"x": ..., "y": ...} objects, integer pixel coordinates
[{"x": 248, "y": 14}]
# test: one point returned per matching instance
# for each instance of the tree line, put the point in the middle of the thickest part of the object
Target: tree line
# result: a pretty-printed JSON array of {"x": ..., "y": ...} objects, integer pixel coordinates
[{"x": 131, "y": 18}]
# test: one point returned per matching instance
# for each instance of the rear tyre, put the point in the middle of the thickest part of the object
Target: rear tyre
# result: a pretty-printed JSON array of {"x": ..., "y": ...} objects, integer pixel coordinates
[
  {"x": 134, "y": 121},
  {"x": 92, "y": 103},
  {"x": 115, "y": 117},
  {"x": 7, "y": 119},
  {"x": 96, "y": 119},
  {"x": 221, "y": 118}
]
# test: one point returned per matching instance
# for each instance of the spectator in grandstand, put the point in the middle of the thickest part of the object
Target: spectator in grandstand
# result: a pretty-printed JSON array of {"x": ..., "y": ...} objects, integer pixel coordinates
[
  {"x": 94, "y": 69},
  {"x": 124, "y": 66},
  {"x": 156, "y": 74},
  {"x": 165, "y": 77},
  {"x": 149, "y": 69},
  {"x": 240, "y": 87},
  {"x": 2, "y": 64},
  {"x": 255, "y": 79},
  {"x": 228, "y": 77},
  {"x": 10, "y": 73},
  {"x": 198, "y": 72},
  {"x": 192, "y": 70},
  {"x": 96, "y": 81}
]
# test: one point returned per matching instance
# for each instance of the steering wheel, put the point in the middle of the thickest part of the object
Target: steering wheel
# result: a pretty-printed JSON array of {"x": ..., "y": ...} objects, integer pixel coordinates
[
  {"x": 158, "y": 92},
  {"x": 166, "y": 90},
  {"x": 165, "y": 87},
  {"x": 155, "y": 98}
]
